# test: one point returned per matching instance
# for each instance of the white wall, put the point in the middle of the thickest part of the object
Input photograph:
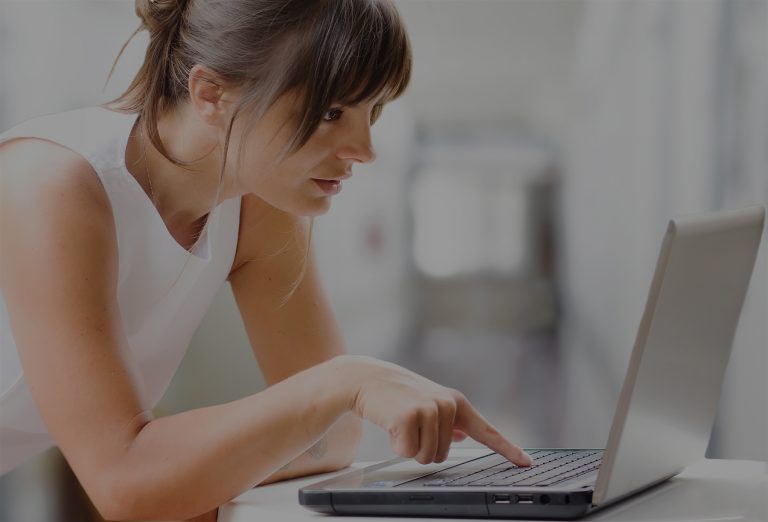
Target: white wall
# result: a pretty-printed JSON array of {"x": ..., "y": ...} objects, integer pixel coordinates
[
  {"x": 742, "y": 425},
  {"x": 56, "y": 55},
  {"x": 499, "y": 62},
  {"x": 651, "y": 99}
]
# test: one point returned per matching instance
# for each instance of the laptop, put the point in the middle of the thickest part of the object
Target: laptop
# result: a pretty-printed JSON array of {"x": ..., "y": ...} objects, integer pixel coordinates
[{"x": 661, "y": 424}]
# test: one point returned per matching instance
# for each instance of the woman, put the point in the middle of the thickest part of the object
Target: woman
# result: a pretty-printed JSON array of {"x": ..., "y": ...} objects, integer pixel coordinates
[{"x": 241, "y": 122}]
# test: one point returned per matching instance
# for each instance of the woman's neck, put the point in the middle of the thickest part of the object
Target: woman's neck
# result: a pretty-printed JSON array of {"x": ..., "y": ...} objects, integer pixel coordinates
[{"x": 182, "y": 196}]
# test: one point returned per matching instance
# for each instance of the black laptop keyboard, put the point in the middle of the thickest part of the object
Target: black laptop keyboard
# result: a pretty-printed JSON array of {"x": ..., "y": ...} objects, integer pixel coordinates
[{"x": 549, "y": 468}]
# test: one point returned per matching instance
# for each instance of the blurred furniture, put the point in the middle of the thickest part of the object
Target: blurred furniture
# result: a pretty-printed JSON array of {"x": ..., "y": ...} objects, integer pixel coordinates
[
  {"x": 361, "y": 242},
  {"x": 481, "y": 202},
  {"x": 708, "y": 490},
  {"x": 45, "y": 489}
]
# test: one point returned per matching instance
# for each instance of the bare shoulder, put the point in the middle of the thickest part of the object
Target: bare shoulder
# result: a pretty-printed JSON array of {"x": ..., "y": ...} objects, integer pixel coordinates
[
  {"x": 30, "y": 165},
  {"x": 48, "y": 192},
  {"x": 265, "y": 231}
]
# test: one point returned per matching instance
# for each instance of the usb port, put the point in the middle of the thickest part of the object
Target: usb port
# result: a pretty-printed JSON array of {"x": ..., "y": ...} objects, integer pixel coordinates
[
  {"x": 502, "y": 499},
  {"x": 525, "y": 499}
]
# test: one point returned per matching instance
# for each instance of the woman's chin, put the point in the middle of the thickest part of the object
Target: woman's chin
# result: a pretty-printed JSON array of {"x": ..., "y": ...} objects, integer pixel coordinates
[
  {"x": 322, "y": 206},
  {"x": 299, "y": 204},
  {"x": 310, "y": 207}
]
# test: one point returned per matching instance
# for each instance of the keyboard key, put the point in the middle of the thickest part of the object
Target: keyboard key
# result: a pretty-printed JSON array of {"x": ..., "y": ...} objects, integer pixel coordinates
[
  {"x": 549, "y": 466},
  {"x": 566, "y": 476},
  {"x": 435, "y": 483},
  {"x": 555, "y": 474}
]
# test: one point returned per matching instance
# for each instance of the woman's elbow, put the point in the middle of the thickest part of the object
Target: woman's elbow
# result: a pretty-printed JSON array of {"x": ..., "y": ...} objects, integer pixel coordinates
[
  {"x": 125, "y": 495},
  {"x": 118, "y": 499},
  {"x": 113, "y": 502},
  {"x": 121, "y": 502}
]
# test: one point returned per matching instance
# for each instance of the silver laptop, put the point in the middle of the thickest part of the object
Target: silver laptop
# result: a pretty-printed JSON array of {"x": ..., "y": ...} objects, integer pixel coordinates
[{"x": 663, "y": 418}]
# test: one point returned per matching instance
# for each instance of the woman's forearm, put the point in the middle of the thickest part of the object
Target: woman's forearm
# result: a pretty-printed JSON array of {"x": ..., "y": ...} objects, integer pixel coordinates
[
  {"x": 182, "y": 465},
  {"x": 335, "y": 450}
]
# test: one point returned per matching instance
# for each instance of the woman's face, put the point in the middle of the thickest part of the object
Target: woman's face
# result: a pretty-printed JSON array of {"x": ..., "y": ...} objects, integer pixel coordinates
[{"x": 343, "y": 138}]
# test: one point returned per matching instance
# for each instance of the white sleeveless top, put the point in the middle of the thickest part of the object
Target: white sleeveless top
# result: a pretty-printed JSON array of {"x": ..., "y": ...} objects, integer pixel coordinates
[{"x": 163, "y": 291}]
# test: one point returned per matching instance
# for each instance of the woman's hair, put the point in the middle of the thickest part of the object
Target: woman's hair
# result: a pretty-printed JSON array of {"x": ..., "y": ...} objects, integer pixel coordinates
[{"x": 326, "y": 50}]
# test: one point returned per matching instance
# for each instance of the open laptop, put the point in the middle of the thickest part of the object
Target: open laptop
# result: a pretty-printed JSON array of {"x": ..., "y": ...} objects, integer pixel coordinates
[{"x": 662, "y": 421}]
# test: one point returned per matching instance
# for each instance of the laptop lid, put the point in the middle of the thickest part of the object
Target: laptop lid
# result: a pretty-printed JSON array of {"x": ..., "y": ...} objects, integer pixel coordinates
[{"x": 668, "y": 402}]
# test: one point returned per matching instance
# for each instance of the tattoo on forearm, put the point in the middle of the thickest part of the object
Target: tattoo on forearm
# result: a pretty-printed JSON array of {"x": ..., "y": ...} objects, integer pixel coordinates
[{"x": 319, "y": 449}]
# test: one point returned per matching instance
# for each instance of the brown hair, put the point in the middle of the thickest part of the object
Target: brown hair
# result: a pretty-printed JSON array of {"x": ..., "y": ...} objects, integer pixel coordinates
[{"x": 328, "y": 50}]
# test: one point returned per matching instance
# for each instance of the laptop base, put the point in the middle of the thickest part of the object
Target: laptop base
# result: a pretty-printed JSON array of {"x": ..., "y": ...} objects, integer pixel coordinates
[{"x": 456, "y": 503}]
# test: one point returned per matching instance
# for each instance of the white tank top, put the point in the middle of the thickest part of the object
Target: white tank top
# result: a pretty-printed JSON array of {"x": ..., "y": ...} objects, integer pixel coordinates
[{"x": 163, "y": 291}]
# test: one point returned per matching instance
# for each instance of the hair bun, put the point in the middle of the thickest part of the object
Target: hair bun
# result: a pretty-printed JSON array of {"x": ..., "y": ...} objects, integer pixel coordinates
[{"x": 160, "y": 15}]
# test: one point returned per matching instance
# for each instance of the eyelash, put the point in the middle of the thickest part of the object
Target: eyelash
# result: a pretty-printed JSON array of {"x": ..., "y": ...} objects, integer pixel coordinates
[
  {"x": 331, "y": 110},
  {"x": 374, "y": 113}
]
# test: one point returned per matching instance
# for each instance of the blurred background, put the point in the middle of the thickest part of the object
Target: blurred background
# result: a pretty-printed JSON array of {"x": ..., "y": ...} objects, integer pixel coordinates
[{"x": 504, "y": 240}]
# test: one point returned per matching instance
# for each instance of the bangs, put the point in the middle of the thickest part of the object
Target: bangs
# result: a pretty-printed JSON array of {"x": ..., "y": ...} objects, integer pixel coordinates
[
  {"x": 350, "y": 51},
  {"x": 373, "y": 57}
]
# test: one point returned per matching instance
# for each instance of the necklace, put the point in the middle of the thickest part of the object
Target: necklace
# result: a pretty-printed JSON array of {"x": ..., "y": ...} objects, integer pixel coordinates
[
  {"x": 152, "y": 191},
  {"x": 146, "y": 166}
]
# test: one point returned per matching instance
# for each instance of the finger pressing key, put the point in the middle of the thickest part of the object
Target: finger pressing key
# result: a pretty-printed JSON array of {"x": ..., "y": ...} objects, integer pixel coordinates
[{"x": 473, "y": 424}]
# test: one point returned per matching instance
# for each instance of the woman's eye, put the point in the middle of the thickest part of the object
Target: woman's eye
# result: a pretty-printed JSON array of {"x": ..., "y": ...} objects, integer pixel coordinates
[
  {"x": 335, "y": 113},
  {"x": 332, "y": 114}
]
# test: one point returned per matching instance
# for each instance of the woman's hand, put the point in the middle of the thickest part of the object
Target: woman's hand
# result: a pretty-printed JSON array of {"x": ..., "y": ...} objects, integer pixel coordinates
[{"x": 421, "y": 416}]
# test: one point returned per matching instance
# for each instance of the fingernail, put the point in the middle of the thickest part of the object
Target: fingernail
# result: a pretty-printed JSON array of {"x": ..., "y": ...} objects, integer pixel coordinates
[{"x": 527, "y": 458}]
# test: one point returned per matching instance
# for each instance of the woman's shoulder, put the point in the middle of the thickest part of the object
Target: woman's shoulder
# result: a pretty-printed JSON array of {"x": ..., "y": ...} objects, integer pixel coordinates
[
  {"x": 47, "y": 183},
  {"x": 53, "y": 210},
  {"x": 33, "y": 161},
  {"x": 70, "y": 120},
  {"x": 93, "y": 132},
  {"x": 44, "y": 153}
]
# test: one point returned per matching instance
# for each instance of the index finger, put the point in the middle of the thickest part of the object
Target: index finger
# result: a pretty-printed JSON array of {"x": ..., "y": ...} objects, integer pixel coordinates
[{"x": 469, "y": 420}]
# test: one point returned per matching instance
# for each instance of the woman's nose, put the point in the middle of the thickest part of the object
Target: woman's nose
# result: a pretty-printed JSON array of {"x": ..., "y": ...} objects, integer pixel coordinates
[{"x": 358, "y": 147}]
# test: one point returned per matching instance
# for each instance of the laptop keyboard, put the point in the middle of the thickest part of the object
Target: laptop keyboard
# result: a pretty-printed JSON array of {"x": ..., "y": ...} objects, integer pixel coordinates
[{"x": 549, "y": 468}]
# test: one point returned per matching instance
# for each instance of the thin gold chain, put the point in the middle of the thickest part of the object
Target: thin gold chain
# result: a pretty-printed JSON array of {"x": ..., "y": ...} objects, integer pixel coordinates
[
  {"x": 151, "y": 189},
  {"x": 146, "y": 166}
]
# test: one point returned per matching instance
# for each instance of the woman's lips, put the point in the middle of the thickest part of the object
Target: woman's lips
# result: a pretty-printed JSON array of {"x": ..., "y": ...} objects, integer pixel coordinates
[{"x": 329, "y": 186}]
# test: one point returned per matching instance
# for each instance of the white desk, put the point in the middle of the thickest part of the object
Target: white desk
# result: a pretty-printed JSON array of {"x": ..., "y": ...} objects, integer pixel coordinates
[{"x": 712, "y": 490}]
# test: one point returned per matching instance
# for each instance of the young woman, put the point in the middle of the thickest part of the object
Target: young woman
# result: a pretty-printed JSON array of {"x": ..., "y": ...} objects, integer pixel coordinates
[{"x": 120, "y": 222}]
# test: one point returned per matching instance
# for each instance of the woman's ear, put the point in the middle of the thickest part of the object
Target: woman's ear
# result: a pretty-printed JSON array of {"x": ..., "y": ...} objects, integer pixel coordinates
[{"x": 207, "y": 96}]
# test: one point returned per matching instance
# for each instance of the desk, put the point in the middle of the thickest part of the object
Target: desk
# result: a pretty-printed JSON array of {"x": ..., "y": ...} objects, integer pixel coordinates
[{"x": 711, "y": 490}]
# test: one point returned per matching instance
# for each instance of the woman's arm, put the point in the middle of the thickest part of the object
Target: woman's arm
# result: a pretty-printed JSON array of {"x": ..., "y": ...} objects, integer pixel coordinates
[
  {"x": 330, "y": 453},
  {"x": 59, "y": 278},
  {"x": 185, "y": 464},
  {"x": 271, "y": 251}
]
